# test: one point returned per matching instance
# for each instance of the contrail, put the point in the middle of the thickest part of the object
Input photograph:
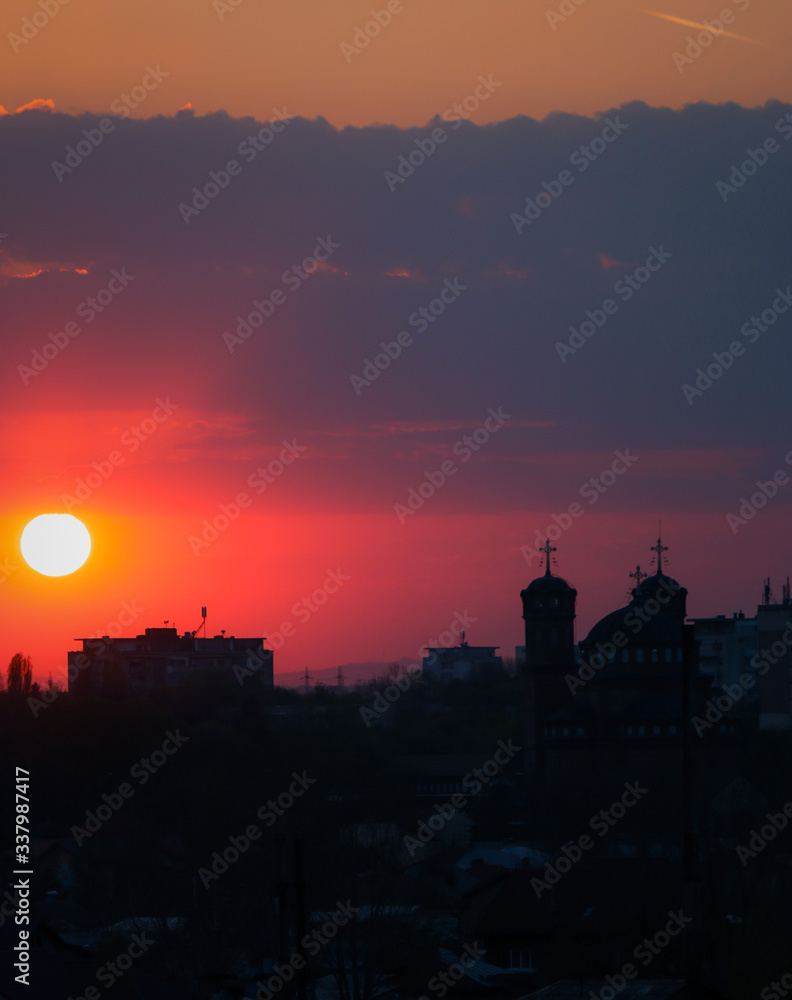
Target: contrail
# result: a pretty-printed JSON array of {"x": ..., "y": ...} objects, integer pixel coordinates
[{"x": 702, "y": 27}]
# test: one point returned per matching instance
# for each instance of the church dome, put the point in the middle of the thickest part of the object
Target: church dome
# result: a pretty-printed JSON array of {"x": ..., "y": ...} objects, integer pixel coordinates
[
  {"x": 647, "y": 590},
  {"x": 547, "y": 584},
  {"x": 663, "y": 627},
  {"x": 656, "y": 613}
]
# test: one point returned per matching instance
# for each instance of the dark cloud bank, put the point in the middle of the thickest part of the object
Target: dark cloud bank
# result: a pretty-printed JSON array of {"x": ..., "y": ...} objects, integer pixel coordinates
[{"x": 649, "y": 186}]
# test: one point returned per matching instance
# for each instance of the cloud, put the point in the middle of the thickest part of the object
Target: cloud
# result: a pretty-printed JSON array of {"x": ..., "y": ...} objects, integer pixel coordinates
[
  {"x": 526, "y": 292},
  {"x": 39, "y": 104}
]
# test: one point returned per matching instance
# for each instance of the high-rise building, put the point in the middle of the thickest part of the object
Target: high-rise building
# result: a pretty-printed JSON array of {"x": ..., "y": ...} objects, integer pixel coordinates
[{"x": 161, "y": 657}]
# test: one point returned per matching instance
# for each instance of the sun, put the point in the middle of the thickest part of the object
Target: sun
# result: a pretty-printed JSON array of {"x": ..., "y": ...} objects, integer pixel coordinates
[{"x": 55, "y": 544}]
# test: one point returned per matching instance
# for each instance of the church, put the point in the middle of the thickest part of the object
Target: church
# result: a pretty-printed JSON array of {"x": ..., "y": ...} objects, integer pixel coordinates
[{"x": 627, "y": 700}]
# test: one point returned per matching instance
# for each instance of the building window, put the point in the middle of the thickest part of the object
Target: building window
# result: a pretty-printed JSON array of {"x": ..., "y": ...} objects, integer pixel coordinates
[
  {"x": 639, "y": 658},
  {"x": 625, "y": 656},
  {"x": 656, "y": 730},
  {"x": 654, "y": 656},
  {"x": 668, "y": 654},
  {"x": 642, "y": 730}
]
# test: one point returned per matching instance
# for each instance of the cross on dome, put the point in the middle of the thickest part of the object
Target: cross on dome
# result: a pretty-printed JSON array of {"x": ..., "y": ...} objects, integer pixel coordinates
[
  {"x": 547, "y": 548},
  {"x": 638, "y": 576},
  {"x": 659, "y": 549}
]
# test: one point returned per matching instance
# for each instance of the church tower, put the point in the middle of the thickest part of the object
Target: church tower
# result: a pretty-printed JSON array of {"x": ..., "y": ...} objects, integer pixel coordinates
[{"x": 549, "y": 613}]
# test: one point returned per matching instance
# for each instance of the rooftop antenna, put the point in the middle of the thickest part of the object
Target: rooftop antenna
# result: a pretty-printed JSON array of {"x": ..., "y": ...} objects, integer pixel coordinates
[
  {"x": 340, "y": 679},
  {"x": 307, "y": 681},
  {"x": 785, "y": 592},
  {"x": 462, "y": 637},
  {"x": 202, "y": 625},
  {"x": 768, "y": 593}
]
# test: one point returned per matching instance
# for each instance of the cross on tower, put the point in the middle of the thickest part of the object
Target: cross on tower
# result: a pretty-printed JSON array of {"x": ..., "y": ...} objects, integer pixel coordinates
[
  {"x": 638, "y": 576},
  {"x": 547, "y": 548},
  {"x": 659, "y": 549}
]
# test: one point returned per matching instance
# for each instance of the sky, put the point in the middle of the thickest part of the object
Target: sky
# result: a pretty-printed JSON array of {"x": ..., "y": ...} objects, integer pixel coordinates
[{"x": 480, "y": 265}]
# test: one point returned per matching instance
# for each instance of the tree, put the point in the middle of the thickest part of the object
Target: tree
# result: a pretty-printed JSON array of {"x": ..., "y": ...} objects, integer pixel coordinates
[{"x": 20, "y": 675}]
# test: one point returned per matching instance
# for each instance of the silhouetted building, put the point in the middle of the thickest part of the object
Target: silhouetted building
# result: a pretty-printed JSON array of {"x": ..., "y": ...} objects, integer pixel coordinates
[
  {"x": 549, "y": 613},
  {"x": 436, "y": 775},
  {"x": 774, "y": 661},
  {"x": 459, "y": 663},
  {"x": 623, "y": 703},
  {"x": 726, "y": 647},
  {"x": 161, "y": 657}
]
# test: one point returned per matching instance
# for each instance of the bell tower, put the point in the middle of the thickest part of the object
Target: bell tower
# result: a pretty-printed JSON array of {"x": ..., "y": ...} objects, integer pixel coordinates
[{"x": 549, "y": 614}]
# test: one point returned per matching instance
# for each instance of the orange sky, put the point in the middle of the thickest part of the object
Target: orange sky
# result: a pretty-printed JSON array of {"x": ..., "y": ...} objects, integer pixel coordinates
[
  {"x": 288, "y": 53},
  {"x": 406, "y": 581},
  {"x": 333, "y": 511}
]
